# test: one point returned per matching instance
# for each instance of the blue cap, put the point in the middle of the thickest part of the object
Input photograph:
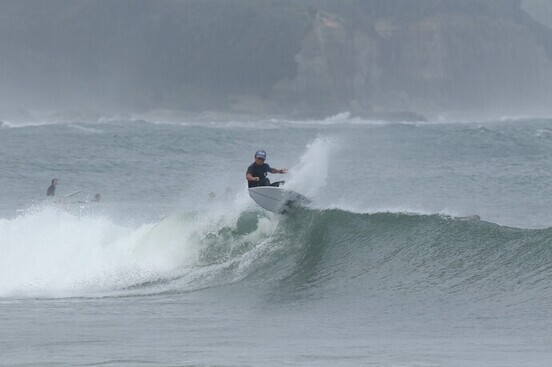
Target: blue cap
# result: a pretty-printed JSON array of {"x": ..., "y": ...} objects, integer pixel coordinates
[{"x": 260, "y": 154}]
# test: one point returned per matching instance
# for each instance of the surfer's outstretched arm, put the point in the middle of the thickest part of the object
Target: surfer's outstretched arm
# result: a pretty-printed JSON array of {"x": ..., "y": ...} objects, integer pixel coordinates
[{"x": 282, "y": 170}]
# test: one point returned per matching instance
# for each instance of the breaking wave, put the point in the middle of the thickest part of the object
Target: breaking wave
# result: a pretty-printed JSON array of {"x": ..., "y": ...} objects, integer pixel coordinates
[{"x": 308, "y": 253}]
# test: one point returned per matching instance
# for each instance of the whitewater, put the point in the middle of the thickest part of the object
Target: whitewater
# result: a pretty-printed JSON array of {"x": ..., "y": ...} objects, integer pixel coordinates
[{"x": 425, "y": 244}]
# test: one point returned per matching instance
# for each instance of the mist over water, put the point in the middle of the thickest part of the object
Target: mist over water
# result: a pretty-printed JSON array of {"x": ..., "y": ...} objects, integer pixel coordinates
[{"x": 379, "y": 59}]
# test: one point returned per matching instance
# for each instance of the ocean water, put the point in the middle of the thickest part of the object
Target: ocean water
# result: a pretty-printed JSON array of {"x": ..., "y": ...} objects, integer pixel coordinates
[{"x": 426, "y": 244}]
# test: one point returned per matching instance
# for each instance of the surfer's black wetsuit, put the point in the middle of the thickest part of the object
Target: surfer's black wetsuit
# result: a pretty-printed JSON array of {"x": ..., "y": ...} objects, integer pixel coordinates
[
  {"x": 259, "y": 171},
  {"x": 51, "y": 190}
]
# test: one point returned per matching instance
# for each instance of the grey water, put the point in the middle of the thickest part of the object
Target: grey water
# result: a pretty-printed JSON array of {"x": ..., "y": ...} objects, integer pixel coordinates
[{"x": 426, "y": 244}]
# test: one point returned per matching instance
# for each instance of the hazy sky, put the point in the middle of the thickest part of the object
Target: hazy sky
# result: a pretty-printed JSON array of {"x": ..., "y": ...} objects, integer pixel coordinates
[{"x": 275, "y": 57}]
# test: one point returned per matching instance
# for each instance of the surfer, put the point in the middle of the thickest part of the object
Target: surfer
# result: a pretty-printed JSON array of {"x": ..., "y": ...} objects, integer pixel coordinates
[
  {"x": 52, "y": 189},
  {"x": 257, "y": 171},
  {"x": 212, "y": 196}
]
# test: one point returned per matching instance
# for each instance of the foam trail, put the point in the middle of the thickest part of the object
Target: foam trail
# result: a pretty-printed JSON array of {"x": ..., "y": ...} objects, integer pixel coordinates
[
  {"x": 311, "y": 173},
  {"x": 52, "y": 252}
]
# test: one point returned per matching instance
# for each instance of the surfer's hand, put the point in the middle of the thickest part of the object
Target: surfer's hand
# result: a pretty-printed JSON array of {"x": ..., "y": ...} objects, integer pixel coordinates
[{"x": 284, "y": 170}]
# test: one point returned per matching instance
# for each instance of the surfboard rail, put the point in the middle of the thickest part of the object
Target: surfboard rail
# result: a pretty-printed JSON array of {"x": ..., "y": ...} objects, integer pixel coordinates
[{"x": 276, "y": 199}]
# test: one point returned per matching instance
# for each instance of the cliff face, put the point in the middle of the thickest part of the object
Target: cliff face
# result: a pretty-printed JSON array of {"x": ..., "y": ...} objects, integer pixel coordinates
[
  {"x": 540, "y": 10},
  {"x": 315, "y": 57},
  {"x": 448, "y": 60}
]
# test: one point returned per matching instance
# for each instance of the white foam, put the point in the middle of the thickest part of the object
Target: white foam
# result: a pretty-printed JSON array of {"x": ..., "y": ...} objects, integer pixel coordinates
[
  {"x": 86, "y": 129},
  {"x": 311, "y": 173},
  {"x": 51, "y": 252}
]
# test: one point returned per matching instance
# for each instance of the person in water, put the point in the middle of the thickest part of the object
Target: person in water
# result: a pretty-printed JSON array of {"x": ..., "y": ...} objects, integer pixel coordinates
[
  {"x": 212, "y": 196},
  {"x": 257, "y": 171},
  {"x": 52, "y": 189}
]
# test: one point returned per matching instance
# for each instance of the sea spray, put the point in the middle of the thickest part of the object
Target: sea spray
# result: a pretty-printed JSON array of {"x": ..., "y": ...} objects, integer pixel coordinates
[
  {"x": 50, "y": 251},
  {"x": 310, "y": 174}
]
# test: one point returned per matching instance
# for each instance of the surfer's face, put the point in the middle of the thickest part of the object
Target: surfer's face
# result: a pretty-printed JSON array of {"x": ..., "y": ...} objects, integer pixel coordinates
[{"x": 259, "y": 160}]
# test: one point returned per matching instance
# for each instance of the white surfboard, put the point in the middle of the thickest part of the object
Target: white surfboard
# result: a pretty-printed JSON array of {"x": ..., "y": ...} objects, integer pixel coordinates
[{"x": 276, "y": 199}]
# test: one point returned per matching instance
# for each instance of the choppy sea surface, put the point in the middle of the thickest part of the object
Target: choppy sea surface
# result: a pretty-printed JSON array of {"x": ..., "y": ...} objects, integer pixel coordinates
[{"x": 426, "y": 244}]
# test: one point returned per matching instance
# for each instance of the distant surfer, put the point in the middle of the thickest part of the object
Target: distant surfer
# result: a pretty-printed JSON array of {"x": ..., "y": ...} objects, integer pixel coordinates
[
  {"x": 257, "y": 171},
  {"x": 52, "y": 189},
  {"x": 212, "y": 196}
]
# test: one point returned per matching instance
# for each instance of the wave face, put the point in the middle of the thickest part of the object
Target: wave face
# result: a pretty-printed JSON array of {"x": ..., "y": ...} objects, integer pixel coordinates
[
  {"x": 309, "y": 254},
  {"x": 416, "y": 256}
]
